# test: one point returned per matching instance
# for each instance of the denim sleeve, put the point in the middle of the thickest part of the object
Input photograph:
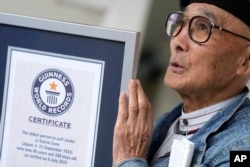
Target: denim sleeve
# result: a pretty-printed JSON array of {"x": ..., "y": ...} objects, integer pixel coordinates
[{"x": 132, "y": 162}]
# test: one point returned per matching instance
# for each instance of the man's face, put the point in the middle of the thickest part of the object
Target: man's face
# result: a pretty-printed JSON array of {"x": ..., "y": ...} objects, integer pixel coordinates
[{"x": 196, "y": 68}]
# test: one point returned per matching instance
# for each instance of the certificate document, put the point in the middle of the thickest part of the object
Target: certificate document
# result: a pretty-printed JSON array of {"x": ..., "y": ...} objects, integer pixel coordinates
[{"x": 51, "y": 109}]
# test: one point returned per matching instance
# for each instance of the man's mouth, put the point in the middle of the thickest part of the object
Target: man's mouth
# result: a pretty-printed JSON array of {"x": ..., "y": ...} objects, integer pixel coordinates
[
  {"x": 175, "y": 64},
  {"x": 176, "y": 67}
]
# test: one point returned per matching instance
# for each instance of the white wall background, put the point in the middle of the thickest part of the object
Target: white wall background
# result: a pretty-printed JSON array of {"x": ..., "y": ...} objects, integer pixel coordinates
[{"x": 121, "y": 14}]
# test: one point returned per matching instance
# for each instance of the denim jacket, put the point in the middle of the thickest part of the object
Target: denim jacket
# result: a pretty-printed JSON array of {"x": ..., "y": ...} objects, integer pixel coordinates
[{"x": 228, "y": 130}]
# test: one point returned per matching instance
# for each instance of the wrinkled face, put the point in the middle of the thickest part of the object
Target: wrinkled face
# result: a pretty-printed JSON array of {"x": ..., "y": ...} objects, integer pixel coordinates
[{"x": 210, "y": 66}]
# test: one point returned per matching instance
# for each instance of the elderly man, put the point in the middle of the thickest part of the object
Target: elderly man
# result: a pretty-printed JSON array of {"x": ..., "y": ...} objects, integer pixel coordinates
[{"x": 209, "y": 68}]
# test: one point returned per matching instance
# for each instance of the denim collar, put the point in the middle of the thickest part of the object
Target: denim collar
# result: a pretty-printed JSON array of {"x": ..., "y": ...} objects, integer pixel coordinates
[{"x": 217, "y": 121}]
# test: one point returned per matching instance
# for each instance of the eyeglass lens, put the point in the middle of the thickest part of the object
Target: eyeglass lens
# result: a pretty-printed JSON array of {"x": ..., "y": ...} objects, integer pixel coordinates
[
  {"x": 199, "y": 28},
  {"x": 174, "y": 24}
]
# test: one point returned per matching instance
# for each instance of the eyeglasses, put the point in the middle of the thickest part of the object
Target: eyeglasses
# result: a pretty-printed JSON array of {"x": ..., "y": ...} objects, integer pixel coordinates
[{"x": 199, "y": 29}]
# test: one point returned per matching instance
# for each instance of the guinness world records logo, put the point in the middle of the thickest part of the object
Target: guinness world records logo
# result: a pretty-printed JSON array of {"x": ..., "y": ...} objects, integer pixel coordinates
[{"x": 52, "y": 92}]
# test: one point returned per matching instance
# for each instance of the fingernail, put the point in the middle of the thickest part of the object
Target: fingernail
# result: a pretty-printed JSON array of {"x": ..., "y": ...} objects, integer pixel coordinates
[
  {"x": 133, "y": 83},
  {"x": 138, "y": 81}
]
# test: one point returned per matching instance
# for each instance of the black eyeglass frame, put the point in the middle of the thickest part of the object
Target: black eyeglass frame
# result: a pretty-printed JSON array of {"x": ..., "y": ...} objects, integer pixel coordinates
[{"x": 212, "y": 26}]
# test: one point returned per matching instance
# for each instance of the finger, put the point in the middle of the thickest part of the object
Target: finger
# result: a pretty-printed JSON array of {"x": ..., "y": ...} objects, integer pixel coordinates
[
  {"x": 133, "y": 101},
  {"x": 145, "y": 110},
  {"x": 122, "y": 109}
]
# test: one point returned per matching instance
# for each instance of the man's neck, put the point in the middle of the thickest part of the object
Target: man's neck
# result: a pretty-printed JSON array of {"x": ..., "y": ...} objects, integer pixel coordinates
[{"x": 199, "y": 101}]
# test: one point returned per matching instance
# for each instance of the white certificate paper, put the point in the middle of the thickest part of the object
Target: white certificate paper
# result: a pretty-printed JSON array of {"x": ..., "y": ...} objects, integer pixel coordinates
[{"x": 51, "y": 109}]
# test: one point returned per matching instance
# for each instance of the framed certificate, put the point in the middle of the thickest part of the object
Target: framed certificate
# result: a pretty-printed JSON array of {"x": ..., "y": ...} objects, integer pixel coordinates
[{"x": 60, "y": 91}]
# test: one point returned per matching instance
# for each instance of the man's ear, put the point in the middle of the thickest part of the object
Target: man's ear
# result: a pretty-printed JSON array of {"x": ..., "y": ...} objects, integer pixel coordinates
[{"x": 245, "y": 66}]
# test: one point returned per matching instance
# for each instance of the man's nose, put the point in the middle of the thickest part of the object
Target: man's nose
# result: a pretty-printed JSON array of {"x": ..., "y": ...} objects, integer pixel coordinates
[{"x": 181, "y": 41}]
